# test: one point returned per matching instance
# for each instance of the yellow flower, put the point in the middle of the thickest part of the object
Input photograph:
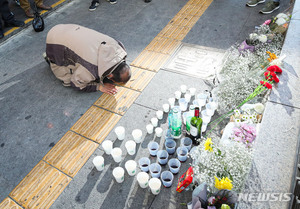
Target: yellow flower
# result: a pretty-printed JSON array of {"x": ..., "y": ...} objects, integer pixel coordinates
[
  {"x": 207, "y": 145},
  {"x": 224, "y": 183}
]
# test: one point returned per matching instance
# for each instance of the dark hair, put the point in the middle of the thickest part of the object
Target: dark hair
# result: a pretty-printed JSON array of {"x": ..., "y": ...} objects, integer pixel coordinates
[{"x": 120, "y": 71}]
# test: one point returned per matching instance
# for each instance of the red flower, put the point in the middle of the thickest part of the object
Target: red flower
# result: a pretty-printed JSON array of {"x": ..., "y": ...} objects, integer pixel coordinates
[
  {"x": 266, "y": 84},
  {"x": 274, "y": 68},
  {"x": 267, "y": 75},
  {"x": 274, "y": 77}
]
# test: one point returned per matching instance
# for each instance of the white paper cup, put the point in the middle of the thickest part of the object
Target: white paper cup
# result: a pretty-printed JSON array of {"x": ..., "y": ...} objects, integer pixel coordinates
[
  {"x": 154, "y": 122},
  {"x": 203, "y": 128},
  {"x": 187, "y": 97},
  {"x": 143, "y": 179},
  {"x": 166, "y": 108},
  {"x": 171, "y": 102},
  {"x": 177, "y": 94},
  {"x": 159, "y": 114},
  {"x": 120, "y": 132},
  {"x": 107, "y": 145},
  {"x": 130, "y": 166},
  {"x": 183, "y": 88},
  {"x": 137, "y": 135},
  {"x": 192, "y": 91},
  {"x": 183, "y": 104},
  {"x": 155, "y": 184},
  {"x": 149, "y": 128},
  {"x": 158, "y": 132},
  {"x": 116, "y": 153},
  {"x": 130, "y": 147},
  {"x": 209, "y": 109},
  {"x": 118, "y": 173},
  {"x": 98, "y": 162}
]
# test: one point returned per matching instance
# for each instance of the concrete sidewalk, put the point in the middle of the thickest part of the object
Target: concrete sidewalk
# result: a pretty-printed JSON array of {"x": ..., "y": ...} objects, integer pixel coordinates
[{"x": 37, "y": 111}]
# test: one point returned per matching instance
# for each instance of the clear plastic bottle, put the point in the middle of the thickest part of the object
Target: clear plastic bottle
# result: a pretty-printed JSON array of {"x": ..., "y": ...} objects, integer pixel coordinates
[{"x": 176, "y": 123}]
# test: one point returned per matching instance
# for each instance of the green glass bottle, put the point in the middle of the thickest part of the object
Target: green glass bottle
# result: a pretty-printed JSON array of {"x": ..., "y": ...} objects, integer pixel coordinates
[{"x": 195, "y": 128}]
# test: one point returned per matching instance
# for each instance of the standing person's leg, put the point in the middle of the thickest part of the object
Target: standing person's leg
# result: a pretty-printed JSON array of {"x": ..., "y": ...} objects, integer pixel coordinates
[
  {"x": 253, "y": 3},
  {"x": 40, "y": 4},
  {"x": 25, "y": 5},
  {"x": 94, "y": 5},
  {"x": 270, "y": 7},
  {"x": 7, "y": 16}
]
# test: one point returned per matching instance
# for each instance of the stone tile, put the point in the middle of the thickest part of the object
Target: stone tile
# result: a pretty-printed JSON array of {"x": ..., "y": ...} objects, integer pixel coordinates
[
  {"x": 9, "y": 204},
  {"x": 164, "y": 85},
  {"x": 287, "y": 90},
  {"x": 278, "y": 136}
]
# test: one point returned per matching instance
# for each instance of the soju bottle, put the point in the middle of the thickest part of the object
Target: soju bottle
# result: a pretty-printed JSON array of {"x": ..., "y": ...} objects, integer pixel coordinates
[
  {"x": 176, "y": 123},
  {"x": 195, "y": 127}
]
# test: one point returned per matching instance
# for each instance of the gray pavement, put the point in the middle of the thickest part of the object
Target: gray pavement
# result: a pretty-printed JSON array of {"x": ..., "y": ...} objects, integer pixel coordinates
[{"x": 36, "y": 111}]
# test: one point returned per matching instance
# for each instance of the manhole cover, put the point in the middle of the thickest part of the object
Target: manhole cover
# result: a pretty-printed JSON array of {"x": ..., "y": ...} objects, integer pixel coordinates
[{"x": 194, "y": 60}]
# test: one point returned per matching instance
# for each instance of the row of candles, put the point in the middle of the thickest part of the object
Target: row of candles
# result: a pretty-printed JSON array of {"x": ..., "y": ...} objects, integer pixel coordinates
[{"x": 144, "y": 163}]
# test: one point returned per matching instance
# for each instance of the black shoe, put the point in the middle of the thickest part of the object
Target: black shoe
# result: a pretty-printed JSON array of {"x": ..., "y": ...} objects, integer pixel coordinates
[
  {"x": 1, "y": 34},
  {"x": 14, "y": 23},
  {"x": 94, "y": 6},
  {"x": 147, "y": 1}
]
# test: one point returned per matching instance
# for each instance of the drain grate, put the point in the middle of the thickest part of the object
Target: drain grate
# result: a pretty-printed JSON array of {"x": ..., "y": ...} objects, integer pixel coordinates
[{"x": 196, "y": 61}]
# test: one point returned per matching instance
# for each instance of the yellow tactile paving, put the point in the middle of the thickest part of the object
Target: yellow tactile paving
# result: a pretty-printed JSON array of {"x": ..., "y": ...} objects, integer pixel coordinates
[
  {"x": 176, "y": 32},
  {"x": 70, "y": 153},
  {"x": 184, "y": 20},
  {"x": 163, "y": 45},
  {"x": 139, "y": 78},
  {"x": 96, "y": 123},
  {"x": 118, "y": 103},
  {"x": 150, "y": 60},
  {"x": 41, "y": 187},
  {"x": 192, "y": 10},
  {"x": 199, "y": 2},
  {"x": 8, "y": 203}
]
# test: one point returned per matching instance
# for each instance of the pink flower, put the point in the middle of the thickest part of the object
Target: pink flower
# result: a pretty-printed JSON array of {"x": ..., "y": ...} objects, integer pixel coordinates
[{"x": 267, "y": 22}]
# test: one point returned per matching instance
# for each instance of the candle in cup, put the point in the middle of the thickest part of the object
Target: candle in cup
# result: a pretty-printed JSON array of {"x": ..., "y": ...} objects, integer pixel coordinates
[
  {"x": 159, "y": 114},
  {"x": 183, "y": 88},
  {"x": 171, "y": 102},
  {"x": 120, "y": 132},
  {"x": 166, "y": 108},
  {"x": 158, "y": 132},
  {"x": 99, "y": 163},
  {"x": 149, "y": 128},
  {"x": 137, "y": 135},
  {"x": 187, "y": 97},
  {"x": 154, "y": 122},
  {"x": 192, "y": 91},
  {"x": 177, "y": 94}
]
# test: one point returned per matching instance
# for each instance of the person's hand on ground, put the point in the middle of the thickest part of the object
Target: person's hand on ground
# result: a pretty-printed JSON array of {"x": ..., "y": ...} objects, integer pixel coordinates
[{"x": 108, "y": 88}]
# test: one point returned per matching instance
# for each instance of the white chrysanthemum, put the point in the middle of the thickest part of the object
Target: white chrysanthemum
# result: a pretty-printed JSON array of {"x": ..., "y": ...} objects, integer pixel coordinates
[
  {"x": 253, "y": 36},
  {"x": 259, "y": 108},
  {"x": 263, "y": 38},
  {"x": 280, "y": 21},
  {"x": 282, "y": 15}
]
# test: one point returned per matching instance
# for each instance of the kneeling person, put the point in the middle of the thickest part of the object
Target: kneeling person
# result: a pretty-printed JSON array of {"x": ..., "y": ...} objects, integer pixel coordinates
[{"x": 86, "y": 59}]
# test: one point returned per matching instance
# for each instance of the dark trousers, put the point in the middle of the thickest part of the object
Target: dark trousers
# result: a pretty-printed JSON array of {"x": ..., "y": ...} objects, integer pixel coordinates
[{"x": 5, "y": 12}]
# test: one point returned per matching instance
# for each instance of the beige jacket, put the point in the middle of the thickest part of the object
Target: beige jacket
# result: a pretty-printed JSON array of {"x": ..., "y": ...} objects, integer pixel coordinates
[{"x": 82, "y": 57}]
